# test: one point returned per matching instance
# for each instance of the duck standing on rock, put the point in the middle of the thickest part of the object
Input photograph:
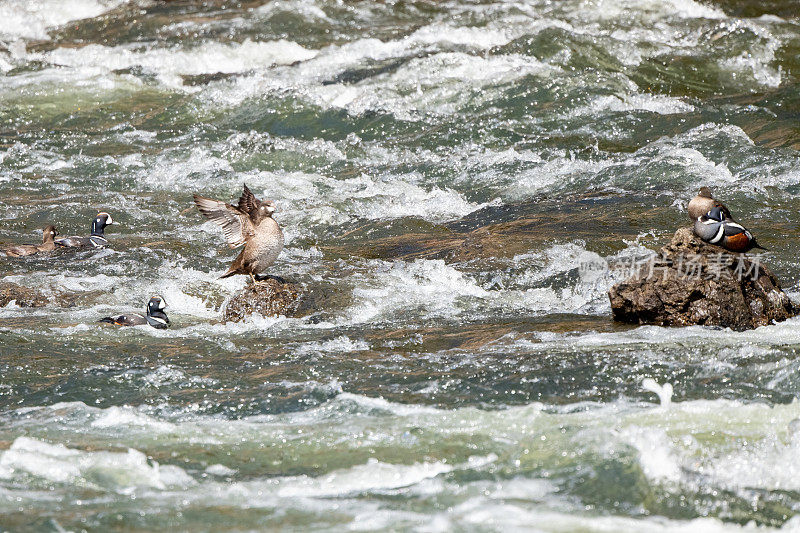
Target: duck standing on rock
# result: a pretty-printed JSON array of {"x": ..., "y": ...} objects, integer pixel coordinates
[
  {"x": 155, "y": 316},
  {"x": 48, "y": 245},
  {"x": 249, "y": 223},
  {"x": 705, "y": 202},
  {"x": 96, "y": 239},
  {"x": 715, "y": 228}
]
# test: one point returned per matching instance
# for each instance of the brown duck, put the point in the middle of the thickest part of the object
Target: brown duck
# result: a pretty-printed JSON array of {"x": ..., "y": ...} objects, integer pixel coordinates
[
  {"x": 48, "y": 245},
  {"x": 250, "y": 223},
  {"x": 705, "y": 202}
]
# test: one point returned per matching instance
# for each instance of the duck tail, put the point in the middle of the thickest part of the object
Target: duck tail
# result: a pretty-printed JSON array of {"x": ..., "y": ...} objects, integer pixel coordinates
[
  {"x": 107, "y": 320},
  {"x": 232, "y": 270},
  {"x": 756, "y": 245},
  {"x": 236, "y": 266}
]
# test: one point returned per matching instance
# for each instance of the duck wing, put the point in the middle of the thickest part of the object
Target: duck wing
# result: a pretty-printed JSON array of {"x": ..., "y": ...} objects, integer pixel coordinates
[
  {"x": 158, "y": 320},
  {"x": 235, "y": 223},
  {"x": 734, "y": 228},
  {"x": 133, "y": 319},
  {"x": 73, "y": 242},
  {"x": 21, "y": 250},
  {"x": 248, "y": 203}
]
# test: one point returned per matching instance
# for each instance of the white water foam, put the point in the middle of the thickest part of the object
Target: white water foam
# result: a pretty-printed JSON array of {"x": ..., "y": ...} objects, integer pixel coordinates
[
  {"x": 663, "y": 105},
  {"x": 733, "y": 444},
  {"x": 170, "y": 64},
  {"x": 307, "y": 8},
  {"x": 116, "y": 471},
  {"x": 431, "y": 284},
  {"x": 31, "y": 19}
]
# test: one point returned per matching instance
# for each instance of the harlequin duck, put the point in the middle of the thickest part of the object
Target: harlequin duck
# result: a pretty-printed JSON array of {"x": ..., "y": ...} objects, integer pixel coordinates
[
  {"x": 48, "y": 234},
  {"x": 250, "y": 223},
  {"x": 705, "y": 202},
  {"x": 715, "y": 228},
  {"x": 155, "y": 316},
  {"x": 95, "y": 240}
]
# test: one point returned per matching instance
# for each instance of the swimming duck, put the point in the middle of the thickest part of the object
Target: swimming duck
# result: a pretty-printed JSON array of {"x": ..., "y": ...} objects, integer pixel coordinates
[
  {"x": 155, "y": 316},
  {"x": 715, "y": 228},
  {"x": 48, "y": 234},
  {"x": 96, "y": 239},
  {"x": 705, "y": 202},
  {"x": 248, "y": 223}
]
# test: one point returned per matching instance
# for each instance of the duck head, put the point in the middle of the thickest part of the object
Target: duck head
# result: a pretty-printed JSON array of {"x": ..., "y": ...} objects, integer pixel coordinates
[
  {"x": 48, "y": 234},
  {"x": 265, "y": 210},
  {"x": 100, "y": 222},
  {"x": 156, "y": 316},
  {"x": 716, "y": 214},
  {"x": 705, "y": 192},
  {"x": 156, "y": 304}
]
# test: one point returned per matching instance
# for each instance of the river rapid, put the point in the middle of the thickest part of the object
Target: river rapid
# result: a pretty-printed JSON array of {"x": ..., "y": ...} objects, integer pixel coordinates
[{"x": 441, "y": 169}]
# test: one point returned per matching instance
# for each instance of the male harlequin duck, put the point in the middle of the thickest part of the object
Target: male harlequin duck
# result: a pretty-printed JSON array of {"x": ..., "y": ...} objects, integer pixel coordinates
[
  {"x": 249, "y": 223},
  {"x": 155, "y": 316},
  {"x": 48, "y": 245},
  {"x": 95, "y": 240},
  {"x": 705, "y": 202},
  {"x": 715, "y": 228}
]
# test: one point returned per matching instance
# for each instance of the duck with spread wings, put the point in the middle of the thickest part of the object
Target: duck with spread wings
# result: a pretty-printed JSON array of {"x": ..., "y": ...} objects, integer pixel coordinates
[{"x": 248, "y": 223}]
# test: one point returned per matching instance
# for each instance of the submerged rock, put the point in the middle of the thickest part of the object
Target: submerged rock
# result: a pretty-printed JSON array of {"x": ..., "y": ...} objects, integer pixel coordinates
[
  {"x": 28, "y": 297},
  {"x": 22, "y": 296},
  {"x": 270, "y": 297},
  {"x": 692, "y": 282}
]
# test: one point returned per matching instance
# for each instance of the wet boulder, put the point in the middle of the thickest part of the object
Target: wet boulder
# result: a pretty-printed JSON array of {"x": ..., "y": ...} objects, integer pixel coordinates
[
  {"x": 270, "y": 297},
  {"x": 28, "y": 297},
  {"x": 22, "y": 296},
  {"x": 692, "y": 282}
]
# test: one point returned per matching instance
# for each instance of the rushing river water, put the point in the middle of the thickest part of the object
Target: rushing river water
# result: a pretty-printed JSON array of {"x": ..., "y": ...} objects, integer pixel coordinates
[{"x": 440, "y": 169}]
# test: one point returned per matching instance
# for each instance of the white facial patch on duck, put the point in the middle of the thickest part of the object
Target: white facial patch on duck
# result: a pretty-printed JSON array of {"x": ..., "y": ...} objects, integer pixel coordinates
[{"x": 99, "y": 219}]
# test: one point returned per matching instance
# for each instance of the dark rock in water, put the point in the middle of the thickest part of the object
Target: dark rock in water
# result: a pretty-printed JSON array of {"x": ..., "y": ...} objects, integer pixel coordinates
[
  {"x": 22, "y": 296},
  {"x": 28, "y": 297},
  {"x": 692, "y": 282},
  {"x": 270, "y": 297}
]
